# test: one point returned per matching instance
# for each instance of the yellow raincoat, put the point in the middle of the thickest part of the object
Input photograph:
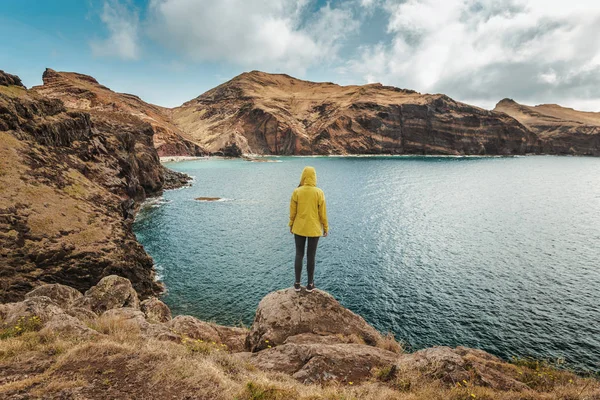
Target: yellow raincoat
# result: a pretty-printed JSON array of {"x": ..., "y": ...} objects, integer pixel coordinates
[{"x": 308, "y": 212}]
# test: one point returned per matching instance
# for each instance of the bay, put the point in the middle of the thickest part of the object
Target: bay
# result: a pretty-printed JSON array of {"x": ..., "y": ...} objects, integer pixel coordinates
[{"x": 500, "y": 254}]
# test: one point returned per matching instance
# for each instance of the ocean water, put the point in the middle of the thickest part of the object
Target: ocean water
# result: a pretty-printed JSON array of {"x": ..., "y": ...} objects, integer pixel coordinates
[{"x": 501, "y": 254}]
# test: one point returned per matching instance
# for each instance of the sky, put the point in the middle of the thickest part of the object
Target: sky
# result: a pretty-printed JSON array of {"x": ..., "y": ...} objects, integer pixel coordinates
[{"x": 170, "y": 51}]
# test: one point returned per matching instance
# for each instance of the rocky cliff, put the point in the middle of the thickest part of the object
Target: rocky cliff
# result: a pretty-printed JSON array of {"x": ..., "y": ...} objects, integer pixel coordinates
[
  {"x": 61, "y": 344},
  {"x": 264, "y": 113},
  {"x": 562, "y": 130},
  {"x": 70, "y": 182},
  {"x": 82, "y": 92}
]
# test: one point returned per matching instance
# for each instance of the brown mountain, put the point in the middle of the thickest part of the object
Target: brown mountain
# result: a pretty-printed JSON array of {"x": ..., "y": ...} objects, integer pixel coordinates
[
  {"x": 264, "y": 113},
  {"x": 563, "y": 130},
  {"x": 82, "y": 92},
  {"x": 69, "y": 184}
]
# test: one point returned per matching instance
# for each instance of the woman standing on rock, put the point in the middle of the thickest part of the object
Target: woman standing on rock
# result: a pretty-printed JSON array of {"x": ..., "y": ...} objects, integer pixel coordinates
[{"x": 308, "y": 220}]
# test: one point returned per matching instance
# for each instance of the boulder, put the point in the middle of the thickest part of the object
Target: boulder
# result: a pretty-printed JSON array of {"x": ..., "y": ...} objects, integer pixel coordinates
[
  {"x": 82, "y": 314},
  {"x": 288, "y": 313},
  {"x": 233, "y": 337},
  {"x": 128, "y": 315},
  {"x": 319, "y": 363},
  {"x": 455, "y": 365},
  {"x": 111, "y": 292},
  {"x": 155, "y": 310},
  {"x": 41, "y": 307},
  {"x": 193, "y": 328},
  {"x": 66, "y": 325},
  {"x": 62, "y": 295}
]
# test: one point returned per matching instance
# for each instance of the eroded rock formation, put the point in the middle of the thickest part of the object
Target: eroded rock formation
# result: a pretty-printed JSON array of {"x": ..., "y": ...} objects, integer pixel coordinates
[
  {"x": 562, "y": 130},
  {"x": 71, "y": 181},
  {"x": 264, "y": 113},
  {"x": 82, "y": 92}
]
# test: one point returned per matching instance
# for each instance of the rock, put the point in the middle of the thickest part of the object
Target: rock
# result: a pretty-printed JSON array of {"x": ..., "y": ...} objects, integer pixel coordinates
[
  {"x": 161, "y": 332},
  {"x": 128, "y": 315},
  {"x": 82, "y": 314},
  {"x": 111, "y": 292},
  {"x": 174, "y": 179},
  {"x": 319, "y": 363},
  {"x": 287, "y": 313},
  {"x": 83, "y": 92},
  {"x": 78, "y": 165},
  {"x": 561, "y": 130},
  {"x": 10, "y": 80},
  {"x": 41, "y": 306},
  {"x": 311, "y": 338},
  {"x": 193, "y": 328},
  {"x": 234, "y": 338},
  {"x": 261, "y": 113},
  {"x": 63, "y": 295},
  {"x": 66, "y": 325},
  {"x": 455, "y": 365},
  {"x": 155, "y": 310}
]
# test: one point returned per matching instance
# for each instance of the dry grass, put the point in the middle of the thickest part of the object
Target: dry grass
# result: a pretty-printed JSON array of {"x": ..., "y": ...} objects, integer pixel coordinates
[{"x": 123, "y": 362}]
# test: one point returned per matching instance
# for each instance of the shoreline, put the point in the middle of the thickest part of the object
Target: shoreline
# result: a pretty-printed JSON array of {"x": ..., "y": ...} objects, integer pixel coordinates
[{"x": 259, "y": 157}]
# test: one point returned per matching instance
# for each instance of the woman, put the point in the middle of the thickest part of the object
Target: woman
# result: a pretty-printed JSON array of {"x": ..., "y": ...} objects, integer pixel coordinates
[{"x": 308, "y": 220}]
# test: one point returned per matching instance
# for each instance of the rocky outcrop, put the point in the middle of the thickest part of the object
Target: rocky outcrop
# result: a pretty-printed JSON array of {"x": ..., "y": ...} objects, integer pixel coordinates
[
  {"x": 264, "y": 113},
  {"x": 60, "y": 294},
  {"x": 319, "y": 363},
  {"x": 71, "y": 181},
  {"x": 155, "y": 310},
  {"x": 82, "y": 92},
  {"x": 286, "y": 313},
  {"x": 561, "y": 130},
  {"x": 337, "y": 355},
  {"x": 10, "y": 80},
  {"x": 111, "y": 292}
]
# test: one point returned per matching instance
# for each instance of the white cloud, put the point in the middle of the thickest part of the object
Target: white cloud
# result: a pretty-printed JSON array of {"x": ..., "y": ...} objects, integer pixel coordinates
[
  {"x": 485, "y": 50},
  {"x": 270, "y": 34},
  {"x": 123, "y": 28}
]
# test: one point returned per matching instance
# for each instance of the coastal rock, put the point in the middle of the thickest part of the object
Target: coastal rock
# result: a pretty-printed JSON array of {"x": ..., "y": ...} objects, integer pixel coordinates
[
  {"x": 61, "y": 294},
  {"x": 155, "y": 310},
  {"x": 287, "y": 313},
  {"x": 71, "y": 182},
  {"x": 233, "y": 337},
  {"x": 111, "y": 292},
  {"x": 128, "y": 315},
  {"x": 193, "y": 328},
  {"x": 461, "y": 364},
  {"x": 319, "y": 363},
  {"x": 41, "y": 307},
  {"x": 561, "y": 130},
  {"x": 83, "y": 92},
  {"x": 261, "y": 113},
  {"x": 68, "y": 326},
  {"x": 10, "y": 80},
  {"x": 82, "y": 314}
]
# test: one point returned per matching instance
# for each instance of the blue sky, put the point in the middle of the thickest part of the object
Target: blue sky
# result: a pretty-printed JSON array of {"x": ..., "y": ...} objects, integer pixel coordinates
[{"x": 170, "y": 51}]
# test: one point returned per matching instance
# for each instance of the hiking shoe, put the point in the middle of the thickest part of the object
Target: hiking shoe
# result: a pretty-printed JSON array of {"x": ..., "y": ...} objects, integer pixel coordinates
[
  {"x": 310, "y": 287},
  {"x": 297, "y": 287}
]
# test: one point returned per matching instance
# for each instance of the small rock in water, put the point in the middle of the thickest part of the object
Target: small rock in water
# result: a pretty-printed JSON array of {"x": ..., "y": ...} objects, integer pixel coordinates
[{"x": 208, "y": 198}]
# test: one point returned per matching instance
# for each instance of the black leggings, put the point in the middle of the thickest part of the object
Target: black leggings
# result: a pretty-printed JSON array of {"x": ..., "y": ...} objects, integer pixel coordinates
[{"x": 310, "y": 255}]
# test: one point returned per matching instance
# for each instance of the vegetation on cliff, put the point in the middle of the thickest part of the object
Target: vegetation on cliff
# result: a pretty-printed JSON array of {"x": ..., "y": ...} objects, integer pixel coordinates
[{"x": 70, "y": 183}]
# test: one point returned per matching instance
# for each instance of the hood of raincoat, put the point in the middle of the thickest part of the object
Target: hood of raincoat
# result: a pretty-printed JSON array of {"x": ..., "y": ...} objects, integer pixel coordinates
[{"x": 309, "y": 177}]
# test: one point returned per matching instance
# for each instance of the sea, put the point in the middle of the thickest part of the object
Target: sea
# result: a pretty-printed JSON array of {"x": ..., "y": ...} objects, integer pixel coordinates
[{"x": 496, "y": 253}]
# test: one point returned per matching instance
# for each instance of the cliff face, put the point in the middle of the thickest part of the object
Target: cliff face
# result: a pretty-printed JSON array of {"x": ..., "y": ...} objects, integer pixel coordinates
[
  {"x": 562, "y": 130},
  {"x": 69, "y": 182},
  {"x": 264, "y": 113},
  {"x": 82, "y": 92}
]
